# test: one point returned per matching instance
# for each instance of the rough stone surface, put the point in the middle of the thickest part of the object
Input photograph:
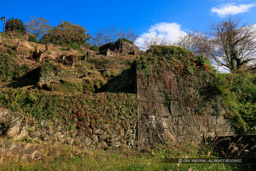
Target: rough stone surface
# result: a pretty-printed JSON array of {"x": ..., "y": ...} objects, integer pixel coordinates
[
  {"x": 120, "y": 47},
  {"x": 177, "y": 106},
  {"x": 13, "y": 125}
]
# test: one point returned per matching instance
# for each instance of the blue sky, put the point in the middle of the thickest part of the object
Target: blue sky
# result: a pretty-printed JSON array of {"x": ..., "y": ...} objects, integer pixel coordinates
[{"x": 142, "y": 16}]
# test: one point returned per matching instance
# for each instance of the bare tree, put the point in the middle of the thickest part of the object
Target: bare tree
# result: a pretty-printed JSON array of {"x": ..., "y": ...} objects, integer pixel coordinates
[
  {"x": 38, "y": 26},
  {"x": 109, "y": 35},
  {"x": 153, "y": 40},
  {"x": 232, "y": 45},
  {"x": 195, "y": 42}
]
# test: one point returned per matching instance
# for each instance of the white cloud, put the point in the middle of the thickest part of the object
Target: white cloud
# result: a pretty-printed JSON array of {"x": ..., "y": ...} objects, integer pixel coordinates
[
  {"x": 167, "y": 32},
  {"x": 231, "y": 9}
]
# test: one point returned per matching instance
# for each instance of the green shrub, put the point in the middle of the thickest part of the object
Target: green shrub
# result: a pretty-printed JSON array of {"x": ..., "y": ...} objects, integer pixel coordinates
[
  {"x": 20, "y": 37},
  {"x": 67, "y": 34},
  {"x": 73, "y": 45},
  {"x": 201, "y": 60},
  {"x": 32, "y": 38},
  {"x": 239, "y": 93},
  {"x": 167, "y": 51},
  {"x": 95, "y": 48}
]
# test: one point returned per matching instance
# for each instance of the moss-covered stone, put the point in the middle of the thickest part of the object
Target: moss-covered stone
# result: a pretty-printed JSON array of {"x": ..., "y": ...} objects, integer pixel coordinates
[{"x": 179, "y": 98}]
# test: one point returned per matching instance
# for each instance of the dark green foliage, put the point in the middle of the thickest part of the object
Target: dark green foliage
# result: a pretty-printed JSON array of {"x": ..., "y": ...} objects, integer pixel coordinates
[
  {"x": 67, "y": 34},
  {"x": 10, "y": 69},
  {"x": 180, "y": 58},
  {"x": 16, "y": 25},
  {"x": 73, "y": 45},
  {"x": 239, "y": 93},
  {"x": 95, "y": 48},
  {"x": 32, "y": 38},
  {"x": 169, "y": 51},
  {"x": 87, "y": 111},
  {"x": 201, "y": 61}
]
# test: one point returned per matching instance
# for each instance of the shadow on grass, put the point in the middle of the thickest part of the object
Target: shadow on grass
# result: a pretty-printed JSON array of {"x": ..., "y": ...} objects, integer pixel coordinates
[{"x": 30, "y": 78}]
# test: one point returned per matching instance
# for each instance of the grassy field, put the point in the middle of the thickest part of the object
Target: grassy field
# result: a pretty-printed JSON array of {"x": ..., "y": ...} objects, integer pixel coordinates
[{"x": 124, "y": 160}]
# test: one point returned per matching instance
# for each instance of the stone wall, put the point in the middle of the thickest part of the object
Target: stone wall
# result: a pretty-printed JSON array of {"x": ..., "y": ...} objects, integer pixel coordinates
[
  {"x": 124, "y": 47},
  {"x": 178, "y": 105},
  {"x": 117, "y": 130}
]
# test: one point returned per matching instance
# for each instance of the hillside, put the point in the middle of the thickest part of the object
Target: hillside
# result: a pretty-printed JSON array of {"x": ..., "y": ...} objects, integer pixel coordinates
[{"x": 79, "y": 102}]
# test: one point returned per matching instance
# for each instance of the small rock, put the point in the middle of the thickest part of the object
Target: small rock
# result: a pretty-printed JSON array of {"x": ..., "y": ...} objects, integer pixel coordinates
[
  {"x": 116, "y": 144},
  {"x": 59, "y": 128},
  {"x": 130, "y": 142},
  {"x": 22, "y": 134},
  {"x": 116, "y": 138},
  {"x": 70, "y": 140},
  {"x": 87, "y": 141},
  {"x": 60, "y": 137},
  {"x": 102, "y": 145},
  {"x": 43, "y": 123},
  {"x": 14, "y": 129},
  {"x": 129, "y": 131},
  {"x": 36, "y": 155},
  {"x": 103, "y": 137},
  {"x": 50, "y": 131},
  {"x": 98, "y": 131},
  {"x": 95, "y": 138},
  {"x": 73, "y": 132},
  {"x": 122, "y": 132}
]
